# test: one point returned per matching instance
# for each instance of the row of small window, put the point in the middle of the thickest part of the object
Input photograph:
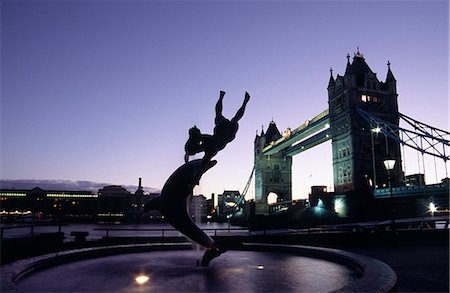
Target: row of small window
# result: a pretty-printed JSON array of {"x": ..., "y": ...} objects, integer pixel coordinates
[
  {"x": 340, "y": 168},
  {"x": 70, "y": 195},
  {"x": 276, "y": 180},
  {"x": 344, "y": 174},
  {"x": 370, "y": 99},
  {"x": 345, "y": 180},
  {"x": 344, "y": 152},
  {"x": 110, "y": 215},
  {"x": 12, "y": 194},
  {"x": 276, "y": 167}
]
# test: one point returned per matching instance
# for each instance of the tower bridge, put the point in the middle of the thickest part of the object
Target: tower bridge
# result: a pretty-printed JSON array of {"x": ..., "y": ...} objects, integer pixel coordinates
[{"x": 363, "y": 123}]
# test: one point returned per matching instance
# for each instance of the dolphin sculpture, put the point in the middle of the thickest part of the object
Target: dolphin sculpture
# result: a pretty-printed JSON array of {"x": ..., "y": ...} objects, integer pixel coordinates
[{"x": 172, "y": 203}]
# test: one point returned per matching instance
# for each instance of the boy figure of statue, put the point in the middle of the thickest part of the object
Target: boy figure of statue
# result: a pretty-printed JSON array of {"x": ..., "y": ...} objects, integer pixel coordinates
[{"x": 224, "y": 132}]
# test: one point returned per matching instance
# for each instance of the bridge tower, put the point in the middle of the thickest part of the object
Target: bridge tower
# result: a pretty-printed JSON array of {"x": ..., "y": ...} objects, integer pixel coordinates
[
  {"x": 272, "y": 172},
  {"x": 358, "y": 151}
]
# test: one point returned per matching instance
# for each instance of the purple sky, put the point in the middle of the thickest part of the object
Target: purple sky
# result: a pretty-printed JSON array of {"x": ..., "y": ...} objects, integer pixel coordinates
[{"x": 106, "y": 90}]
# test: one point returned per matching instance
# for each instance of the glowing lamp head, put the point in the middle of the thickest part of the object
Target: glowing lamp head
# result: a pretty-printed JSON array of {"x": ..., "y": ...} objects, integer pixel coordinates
[
  {"x": 389, "y": 164},
  {"x": 260, "y": 267},
  {"x": 141, "y": 280}
]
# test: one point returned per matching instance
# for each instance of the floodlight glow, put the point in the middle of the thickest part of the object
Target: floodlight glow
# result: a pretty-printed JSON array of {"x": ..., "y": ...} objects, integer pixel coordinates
[
  {"x": 432, "y": 207},
  {"x": 320, "y": 203},
  {"x": 260, "y": 267},
  {"x": 376, "y": 129},
  {"x": 339, "y": 205},
  {"x": 141, "y": 279}
]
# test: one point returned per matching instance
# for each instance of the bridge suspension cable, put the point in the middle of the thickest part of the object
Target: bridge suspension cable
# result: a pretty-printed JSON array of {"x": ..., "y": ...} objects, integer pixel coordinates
[
  {"x": 247, "y": 186},
  {"x": 424, "y": 138}
]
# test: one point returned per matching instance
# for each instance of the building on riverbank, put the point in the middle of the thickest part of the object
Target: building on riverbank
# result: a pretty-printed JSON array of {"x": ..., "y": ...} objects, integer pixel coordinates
[{"x": 110, "y": 203}]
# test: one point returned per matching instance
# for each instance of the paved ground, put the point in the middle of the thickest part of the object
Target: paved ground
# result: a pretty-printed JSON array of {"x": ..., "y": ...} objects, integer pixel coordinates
[{"x": 422, "y": 268}]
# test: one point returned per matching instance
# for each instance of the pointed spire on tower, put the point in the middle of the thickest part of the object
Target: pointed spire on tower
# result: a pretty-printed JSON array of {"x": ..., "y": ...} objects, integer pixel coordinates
[
  {"x": 256, "y": 137},
  {"x": 331, "y": 81},
  {"x": 358, "y": 54},
  {"x": 390, "y": 75},
  {"x": 272, "y": 133},
  {"x": 348, "y": 69}
]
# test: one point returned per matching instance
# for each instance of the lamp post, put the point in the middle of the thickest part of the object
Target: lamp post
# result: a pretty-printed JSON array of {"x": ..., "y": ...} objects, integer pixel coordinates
[
  {"x": 228, "y": 218},
  {"x": 389, "y": 164}
]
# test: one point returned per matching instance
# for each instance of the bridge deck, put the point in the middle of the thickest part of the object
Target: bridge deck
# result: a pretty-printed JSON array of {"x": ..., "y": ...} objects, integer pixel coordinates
[{"x": 317, "y": 127}]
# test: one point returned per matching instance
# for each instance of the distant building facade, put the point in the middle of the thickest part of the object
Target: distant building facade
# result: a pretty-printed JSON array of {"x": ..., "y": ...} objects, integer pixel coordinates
[
  {"x": 58, "y": 204},
  {"x": 415, "y": 180},
  {"x": 111, "y": 203},
  {"x": 198, "y": 208}
]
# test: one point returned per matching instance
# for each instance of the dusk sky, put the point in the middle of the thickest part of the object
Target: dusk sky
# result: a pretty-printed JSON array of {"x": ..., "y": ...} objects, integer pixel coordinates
[{"x": 106, "y": 91}]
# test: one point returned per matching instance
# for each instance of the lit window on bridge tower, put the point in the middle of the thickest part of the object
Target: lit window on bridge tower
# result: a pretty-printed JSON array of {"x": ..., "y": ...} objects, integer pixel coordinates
[{"x": 367, "y": 98}]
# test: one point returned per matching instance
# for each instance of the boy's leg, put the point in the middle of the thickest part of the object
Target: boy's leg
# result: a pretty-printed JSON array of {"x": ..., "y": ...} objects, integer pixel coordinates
[{"x": 241, "y": 110}]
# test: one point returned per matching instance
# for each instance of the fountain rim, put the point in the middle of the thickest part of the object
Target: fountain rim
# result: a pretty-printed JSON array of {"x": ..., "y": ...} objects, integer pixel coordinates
[{"x": 376, "y": 276}]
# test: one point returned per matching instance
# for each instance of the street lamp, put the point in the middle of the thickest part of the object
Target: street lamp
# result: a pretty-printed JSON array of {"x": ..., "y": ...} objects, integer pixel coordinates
[
  {"x": 389, "y": 164},
  {"x": 228, "y": 218}
]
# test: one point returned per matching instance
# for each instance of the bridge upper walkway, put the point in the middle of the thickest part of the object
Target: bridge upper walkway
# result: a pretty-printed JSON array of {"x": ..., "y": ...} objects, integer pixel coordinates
[
  {"x": 423, "y": 138},
  {"x": 309, "y": 134}
]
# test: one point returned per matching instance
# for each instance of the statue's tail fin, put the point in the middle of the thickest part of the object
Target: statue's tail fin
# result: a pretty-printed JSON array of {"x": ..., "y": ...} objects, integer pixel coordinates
[{"x": 153, "y": 204}]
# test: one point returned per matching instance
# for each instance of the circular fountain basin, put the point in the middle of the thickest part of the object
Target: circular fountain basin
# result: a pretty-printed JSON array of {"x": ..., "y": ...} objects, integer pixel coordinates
[{"x": 279, "y": 268}]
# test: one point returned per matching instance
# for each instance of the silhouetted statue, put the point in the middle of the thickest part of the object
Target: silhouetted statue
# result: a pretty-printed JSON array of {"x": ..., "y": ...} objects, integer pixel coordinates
[
  {"x": 172, "y": 202},
  {"x": 224, "y": 131}
]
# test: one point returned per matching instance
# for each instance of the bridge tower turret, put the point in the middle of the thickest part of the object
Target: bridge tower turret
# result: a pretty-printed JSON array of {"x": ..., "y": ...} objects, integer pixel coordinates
[
  {"x": 272, "y": 172},
  {"x": 358, "y": 151}
]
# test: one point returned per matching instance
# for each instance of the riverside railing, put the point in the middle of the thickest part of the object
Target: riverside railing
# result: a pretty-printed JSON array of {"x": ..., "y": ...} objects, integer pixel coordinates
[
  {"x": 31, "y": 226},
  {"x": 163, "y": 232},
  {"x": 421, "y": 223}
]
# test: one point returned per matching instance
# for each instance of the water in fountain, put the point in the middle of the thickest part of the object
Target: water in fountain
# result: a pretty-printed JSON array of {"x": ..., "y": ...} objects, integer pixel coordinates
[{"x": 172, "y": 271}]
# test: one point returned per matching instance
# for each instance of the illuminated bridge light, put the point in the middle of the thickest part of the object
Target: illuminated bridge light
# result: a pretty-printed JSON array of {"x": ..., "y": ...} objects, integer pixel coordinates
[
  {"x": 141, "y": 279},
  {"x": 376, "y": 129},
  {"x": 432, "y": 208}
]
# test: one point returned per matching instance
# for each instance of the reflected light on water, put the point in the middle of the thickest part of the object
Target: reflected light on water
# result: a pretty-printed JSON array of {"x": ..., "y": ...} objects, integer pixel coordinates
[{"x": 141, "y": 279}]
